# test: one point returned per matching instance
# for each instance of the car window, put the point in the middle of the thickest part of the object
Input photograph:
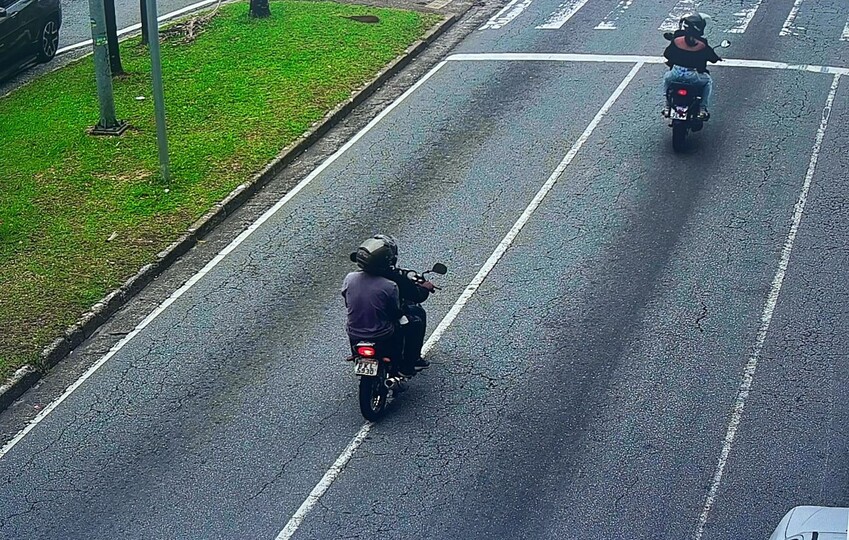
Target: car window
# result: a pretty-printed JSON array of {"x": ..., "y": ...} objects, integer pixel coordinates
[{"x": 6, "y": 3}]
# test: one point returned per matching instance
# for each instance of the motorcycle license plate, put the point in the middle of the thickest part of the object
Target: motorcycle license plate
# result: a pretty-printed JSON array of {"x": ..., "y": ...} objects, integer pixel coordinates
[
  {"x": 365, "y": 367},
  {"x": 679, "y": 113}
]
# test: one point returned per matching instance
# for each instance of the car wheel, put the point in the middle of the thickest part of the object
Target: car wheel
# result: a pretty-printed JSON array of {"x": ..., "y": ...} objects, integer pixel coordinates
[{"x": 48, "y": 40}]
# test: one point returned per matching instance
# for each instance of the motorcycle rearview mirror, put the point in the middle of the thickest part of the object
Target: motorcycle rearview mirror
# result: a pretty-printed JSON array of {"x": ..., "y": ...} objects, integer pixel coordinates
[
  {"x": 725, "y": 44},
  {"x": 440, "y": 269},
  {"x": 354, "y": 257}
]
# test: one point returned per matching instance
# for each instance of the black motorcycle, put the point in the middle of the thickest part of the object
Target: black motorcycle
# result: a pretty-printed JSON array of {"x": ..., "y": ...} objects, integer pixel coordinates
[
  {"x": 379, "y": 378},
  {"x": 685, "y": 114},
  {"x": 685, "y": 110}
]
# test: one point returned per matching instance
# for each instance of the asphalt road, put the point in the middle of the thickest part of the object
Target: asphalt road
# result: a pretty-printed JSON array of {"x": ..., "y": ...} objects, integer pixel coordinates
[
  {"x": 76, "y": 25},
  {"x": 587, "y": 386}
]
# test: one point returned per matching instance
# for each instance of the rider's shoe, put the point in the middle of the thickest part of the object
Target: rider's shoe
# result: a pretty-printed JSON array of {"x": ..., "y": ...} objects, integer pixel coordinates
[{"x": 421, "y": 364}]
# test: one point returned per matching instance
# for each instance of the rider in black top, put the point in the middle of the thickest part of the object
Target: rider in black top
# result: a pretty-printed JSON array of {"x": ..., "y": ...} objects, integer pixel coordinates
[{"x": 687, "y": 56}]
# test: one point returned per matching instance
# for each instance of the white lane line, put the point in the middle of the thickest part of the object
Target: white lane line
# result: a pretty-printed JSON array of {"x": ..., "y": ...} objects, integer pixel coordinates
[
  {"x": 135, "y": 27},
  {"x": 745, "y": 16},
  {"x": 630, "y": 59},
  {"x": 333, "y": 473},
  {"x": 845, "y": 35},
  {"x": 509, "y": 12},
  {"x": 790, "y": 27},
  {"x": 439, "y": 4},
  {"x": 683, "y": 7},
  {"x": 766, "y": 318},
  {"x": 214, "y": 262},
  {"x": 564, "y": 12},
  {"x": 612, "y": 18}
]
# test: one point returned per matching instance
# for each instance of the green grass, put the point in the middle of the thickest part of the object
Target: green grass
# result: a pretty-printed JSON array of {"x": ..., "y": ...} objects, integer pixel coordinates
[{"x": 235, "y": 96}]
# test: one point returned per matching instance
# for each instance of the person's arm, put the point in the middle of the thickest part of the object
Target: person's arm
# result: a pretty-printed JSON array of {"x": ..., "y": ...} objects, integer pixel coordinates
[
  {"x": 711, "y": 55},
  {"x": 395, "y": 302},
  {"x": 409, "y": 289},
  {"x": 670, "y": 54}
]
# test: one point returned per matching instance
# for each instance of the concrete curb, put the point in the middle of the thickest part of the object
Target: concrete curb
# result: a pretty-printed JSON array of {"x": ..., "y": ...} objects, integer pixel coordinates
[{"x": 27, "y": 376}]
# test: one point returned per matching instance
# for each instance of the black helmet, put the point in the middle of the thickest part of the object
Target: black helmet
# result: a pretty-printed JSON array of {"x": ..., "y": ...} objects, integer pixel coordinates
[
  {"x": 693, "y": 24},
  {"x": 393, "y": 245},
  {"x": 376, "y": 255}
]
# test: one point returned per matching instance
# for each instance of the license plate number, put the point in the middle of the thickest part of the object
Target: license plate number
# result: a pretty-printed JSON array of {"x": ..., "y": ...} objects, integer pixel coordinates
[
  {"x": 679, "y": 114},
  {"x": 366, "y": 368}
]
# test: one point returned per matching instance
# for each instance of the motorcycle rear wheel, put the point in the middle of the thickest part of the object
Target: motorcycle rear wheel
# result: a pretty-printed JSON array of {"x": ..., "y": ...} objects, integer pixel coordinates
[
  {"x": 373, "y": 397},
  {"x": 679, "y": 136}
]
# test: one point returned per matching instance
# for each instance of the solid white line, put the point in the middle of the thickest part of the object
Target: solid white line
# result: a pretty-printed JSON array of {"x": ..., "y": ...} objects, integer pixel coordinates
[
  {"x": 565, "y": 12},
  {"x": 789, "y": 25},
  {"x": 507, "y": 14},
  {"x": 766, "y": 318},
  {"x": 744, "y": 17},
  {"x": 439, "y": 4},
  {"x": 137, "y": 26},
  {"x": 217, "y": 259},
  {"x": 333, "y": 473},
  {"x": 683, "y": 7},
  {"x": 630, "y": 59},
  {"x": 609, "y": 22},
  {"x": 324, "y": 484},
  {"x": 554, "y": 57}
]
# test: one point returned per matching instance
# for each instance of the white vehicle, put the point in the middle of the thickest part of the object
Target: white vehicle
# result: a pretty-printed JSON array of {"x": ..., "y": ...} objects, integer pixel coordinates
[{"x": 813, "y": 523}]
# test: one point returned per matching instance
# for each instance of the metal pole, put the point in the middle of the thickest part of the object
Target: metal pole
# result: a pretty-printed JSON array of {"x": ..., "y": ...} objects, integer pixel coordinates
[
  {"x": 158, "y": 93},
  {"x": 108, "y": 123}
]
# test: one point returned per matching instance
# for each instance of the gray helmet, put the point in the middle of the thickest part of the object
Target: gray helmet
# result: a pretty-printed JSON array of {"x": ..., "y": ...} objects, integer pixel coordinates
[
  {"x": 693, "y": 24},
  {"x": 376, "y": 255}
]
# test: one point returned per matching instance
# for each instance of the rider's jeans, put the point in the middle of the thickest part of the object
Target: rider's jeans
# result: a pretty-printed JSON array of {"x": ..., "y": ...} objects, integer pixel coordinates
[{"x": 689, "y": 76}]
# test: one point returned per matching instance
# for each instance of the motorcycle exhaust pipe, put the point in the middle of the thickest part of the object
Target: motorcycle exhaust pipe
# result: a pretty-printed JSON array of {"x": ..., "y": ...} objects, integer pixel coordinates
[{"x": 394, "y": 383}]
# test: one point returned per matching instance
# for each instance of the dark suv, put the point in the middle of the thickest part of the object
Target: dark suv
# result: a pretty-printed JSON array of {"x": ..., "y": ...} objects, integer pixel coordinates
[{"x": 29, "y": 30}]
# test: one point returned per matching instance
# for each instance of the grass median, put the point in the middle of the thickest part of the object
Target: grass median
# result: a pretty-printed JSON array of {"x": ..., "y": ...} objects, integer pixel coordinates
[{"x": 81, "y": 214}]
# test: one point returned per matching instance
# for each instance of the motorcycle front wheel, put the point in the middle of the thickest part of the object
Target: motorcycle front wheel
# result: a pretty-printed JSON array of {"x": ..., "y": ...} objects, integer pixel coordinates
[{"x": 373, "y": 396}]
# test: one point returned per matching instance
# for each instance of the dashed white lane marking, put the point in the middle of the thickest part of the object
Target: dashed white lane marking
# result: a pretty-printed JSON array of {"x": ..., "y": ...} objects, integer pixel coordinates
[
  {"x": 333, "y": 473},
  {"x": 683, "y": 7},
  {"x": 630, "y": 59},
  {"x": 845, "y": 35},
  {"x": 612, "y": 18},
  {"x": 564, "y": 12},
  {"x": 134, "y": 27},
  {"x": 745, "y": 16},
  {"x": 214, "y": 262},
  {"x": 509, "y": 12},
  {"x": 789, "y": 28},
  {"x": 766, "y": 318}
]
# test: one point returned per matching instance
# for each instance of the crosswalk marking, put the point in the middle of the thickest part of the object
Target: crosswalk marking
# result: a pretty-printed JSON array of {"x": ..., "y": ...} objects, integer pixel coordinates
[
  {"x": 683, "y": 7},
  {"x": 745, "y": 16},
  {"x": 790, "y": 27},
  {"x": 609, "y": 22},
  {"x": 563, "y": 14},
  {"x": 738, "y": 17},
  {"x": 507, "y": 14}
]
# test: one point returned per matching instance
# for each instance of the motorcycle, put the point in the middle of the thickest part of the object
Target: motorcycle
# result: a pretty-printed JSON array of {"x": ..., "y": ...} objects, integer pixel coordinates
[
  {"x": 685, "y": 102},
  {"x": 379, "y": 379}
]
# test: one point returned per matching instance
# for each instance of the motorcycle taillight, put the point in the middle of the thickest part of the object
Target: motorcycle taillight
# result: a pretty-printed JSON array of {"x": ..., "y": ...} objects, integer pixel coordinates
[
  {"x": 682, "y": 91},
  {"x": 365, "y": 350}
]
